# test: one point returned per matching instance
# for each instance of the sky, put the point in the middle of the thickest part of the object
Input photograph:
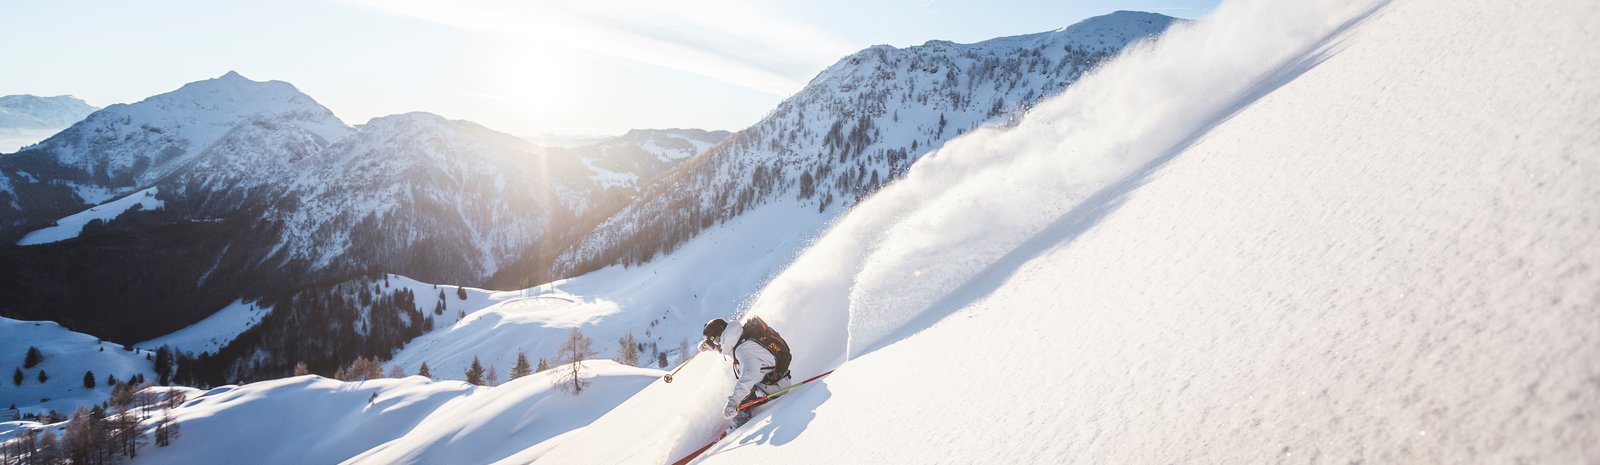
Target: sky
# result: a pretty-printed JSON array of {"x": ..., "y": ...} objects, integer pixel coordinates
[{"x": 524, "y": 67}]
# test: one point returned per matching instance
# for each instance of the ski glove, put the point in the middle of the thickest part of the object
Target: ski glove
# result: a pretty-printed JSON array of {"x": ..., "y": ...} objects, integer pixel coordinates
[{"x": 730, "y": 411}]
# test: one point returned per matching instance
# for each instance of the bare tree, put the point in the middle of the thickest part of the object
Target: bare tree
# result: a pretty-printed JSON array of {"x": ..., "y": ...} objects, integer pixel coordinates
[
  {"x": 396, "y": 371},
  {"x": 166, "y": 428},
  {"x": 300, "y": 369},
  {"x": 628, "y": 350},
  {"x": 493, "y": 378},
  {"x": 573, "y": 352},
  {"x": 83, "y": 440},
  {"x": 48, "y": 451}
]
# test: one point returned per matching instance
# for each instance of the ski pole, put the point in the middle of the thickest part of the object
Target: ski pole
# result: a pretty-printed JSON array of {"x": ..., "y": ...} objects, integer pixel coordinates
[
  {"x": 680, "y": 367},
  {"x": 781, "y": 391}
]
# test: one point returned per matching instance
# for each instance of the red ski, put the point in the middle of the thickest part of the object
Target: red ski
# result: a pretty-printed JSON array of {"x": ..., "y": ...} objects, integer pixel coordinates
[{"x": 692, "y": 455}]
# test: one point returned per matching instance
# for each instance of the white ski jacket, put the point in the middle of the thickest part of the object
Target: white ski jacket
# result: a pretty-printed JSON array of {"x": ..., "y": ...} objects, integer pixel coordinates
[{"x": 753, "y": 362}]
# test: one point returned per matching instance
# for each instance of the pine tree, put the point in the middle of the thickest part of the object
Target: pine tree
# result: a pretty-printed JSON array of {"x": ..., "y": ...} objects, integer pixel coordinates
[
  {"x": 475, "y": 372},
  {"x": 33, "y": 358},
  {"x": 461, "y": 292},
  {"x": 661, "y": 359},
  {"x": 88, "y": 379},
  {"x": 543, "y": 365},
  {"x": 424, "y": 371},
  {"x": 16, "y": 377},
  {"x": 521, "y": 368},
  {"x": 43, "y": 377},
  {"x": 164, "y": 365}
]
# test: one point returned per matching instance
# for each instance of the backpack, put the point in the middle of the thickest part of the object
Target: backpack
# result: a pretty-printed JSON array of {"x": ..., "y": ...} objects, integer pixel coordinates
[{"x": 767, "y": 338}]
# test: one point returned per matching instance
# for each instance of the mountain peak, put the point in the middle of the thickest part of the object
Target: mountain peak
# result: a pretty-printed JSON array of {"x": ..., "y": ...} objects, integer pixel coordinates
[{"x": 233, "y": 75}]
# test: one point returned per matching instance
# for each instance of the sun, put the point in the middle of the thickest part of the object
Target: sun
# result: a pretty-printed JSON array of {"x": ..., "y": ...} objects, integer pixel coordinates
[{"x": 533, "y": 80}]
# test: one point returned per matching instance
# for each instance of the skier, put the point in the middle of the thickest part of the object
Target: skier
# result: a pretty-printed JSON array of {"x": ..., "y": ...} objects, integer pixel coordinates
[{"x": 760, "y": 362}]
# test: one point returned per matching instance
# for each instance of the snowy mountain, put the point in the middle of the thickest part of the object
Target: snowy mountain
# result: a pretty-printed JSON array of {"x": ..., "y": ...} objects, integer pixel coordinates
[
  {"x": 127, "y": 147},
  {"x": 35, "y": 112},
  {"x": 247, "y": 190},
  {"x": 856, "y": 126},
  {"x": 27, "y": 119},
  {"x": 635, "y": 158},
  {"x": 1327, "y": 232}
]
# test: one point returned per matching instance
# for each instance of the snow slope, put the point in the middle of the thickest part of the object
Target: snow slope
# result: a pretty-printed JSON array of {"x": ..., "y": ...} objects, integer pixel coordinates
[
  {"x": 214, "y": 332},
  {"x": 1345, "y": 242},
  {"x": 67, "y": 355},
  {"x": 280, "y": 421},
  {"x": 315, "y": 420},
  {"x": 528, "y": 410},
  {"x": 71, "y": 226}
]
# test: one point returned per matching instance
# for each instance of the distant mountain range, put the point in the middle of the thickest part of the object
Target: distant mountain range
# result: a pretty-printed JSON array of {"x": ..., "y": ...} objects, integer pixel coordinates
[
  {"x": 26, "y": 119},
  {"x": 264, "y": 191}
]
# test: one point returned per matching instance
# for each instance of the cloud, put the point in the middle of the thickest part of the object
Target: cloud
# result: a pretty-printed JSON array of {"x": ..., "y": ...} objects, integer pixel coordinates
[{"x": 734, "y": 42}]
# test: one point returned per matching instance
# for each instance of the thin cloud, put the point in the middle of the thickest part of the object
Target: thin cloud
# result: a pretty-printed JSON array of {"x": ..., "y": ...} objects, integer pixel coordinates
[{"x": 733, "y": 42}]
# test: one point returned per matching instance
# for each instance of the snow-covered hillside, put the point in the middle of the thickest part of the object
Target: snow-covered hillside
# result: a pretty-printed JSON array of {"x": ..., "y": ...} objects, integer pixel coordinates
[
  {"x": 1338, "y": 237},
  {"x": 72, "y": 226},
  {"x": 856, "y": 126},
  {"x": 67, "y": 356},
  {"x": 27, "y": 119}
]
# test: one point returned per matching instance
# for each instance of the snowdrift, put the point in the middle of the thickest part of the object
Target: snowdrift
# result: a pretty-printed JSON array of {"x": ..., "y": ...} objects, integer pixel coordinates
[
  {"x": 504, "y": 420},
  {"x": 310, "y": 419}
]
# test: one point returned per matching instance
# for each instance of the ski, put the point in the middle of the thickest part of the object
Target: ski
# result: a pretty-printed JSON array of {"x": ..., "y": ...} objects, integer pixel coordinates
[{"x": 751, "y": 404}]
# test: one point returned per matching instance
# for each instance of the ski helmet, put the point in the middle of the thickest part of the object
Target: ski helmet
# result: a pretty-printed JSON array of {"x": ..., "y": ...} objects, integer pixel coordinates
[{"x": 713, "y": 329}]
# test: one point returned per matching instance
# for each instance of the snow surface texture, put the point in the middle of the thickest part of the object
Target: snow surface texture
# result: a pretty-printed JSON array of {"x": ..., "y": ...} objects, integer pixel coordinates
[
  {"x": 214, "y": 332},
  {"x": 67, "y": 355},
  {"x": 1339, "y": 237},
  {"x": 71, "y": 226}
]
